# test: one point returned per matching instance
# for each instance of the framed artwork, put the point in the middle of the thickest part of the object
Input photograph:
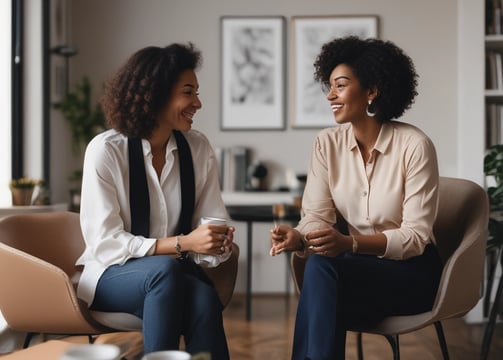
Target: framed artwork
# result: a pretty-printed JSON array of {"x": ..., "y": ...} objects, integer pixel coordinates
[
  {"x": 253, "y": 73},
  {"x": 311, "y": 109}
]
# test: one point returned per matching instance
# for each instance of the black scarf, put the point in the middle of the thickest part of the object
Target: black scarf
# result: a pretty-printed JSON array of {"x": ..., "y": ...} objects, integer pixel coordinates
[{"x": 139, "y": 201}]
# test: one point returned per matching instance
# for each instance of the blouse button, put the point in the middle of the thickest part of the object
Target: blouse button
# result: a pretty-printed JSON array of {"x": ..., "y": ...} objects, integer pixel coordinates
[{"x": 364, "y": 193}]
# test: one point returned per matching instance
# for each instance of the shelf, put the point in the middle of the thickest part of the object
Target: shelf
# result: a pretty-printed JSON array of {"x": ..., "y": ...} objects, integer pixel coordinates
[
  {"x": 495, "y": 94},
  {"x": 494, "y": 42}
]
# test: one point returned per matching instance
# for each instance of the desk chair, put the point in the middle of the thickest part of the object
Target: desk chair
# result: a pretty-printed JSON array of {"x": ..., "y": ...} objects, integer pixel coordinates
[
  {"x": 461, "y": 230},
  {"x": 38, "y": 252}
]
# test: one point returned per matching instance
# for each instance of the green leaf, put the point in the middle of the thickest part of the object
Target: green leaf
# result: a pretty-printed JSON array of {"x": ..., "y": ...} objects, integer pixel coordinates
[{"x": 84, "y": 119}]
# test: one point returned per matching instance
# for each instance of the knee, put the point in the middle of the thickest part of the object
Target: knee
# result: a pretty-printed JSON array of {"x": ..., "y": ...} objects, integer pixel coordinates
[
  {"x": 318, "y": 266},
  {"x": 163, "y": 269}
]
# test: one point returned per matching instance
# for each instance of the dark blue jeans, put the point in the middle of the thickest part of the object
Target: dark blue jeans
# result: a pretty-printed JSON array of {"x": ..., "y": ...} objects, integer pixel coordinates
[
  {"x": 348, "y": 291},
  {"x": 172, "y": 298}
]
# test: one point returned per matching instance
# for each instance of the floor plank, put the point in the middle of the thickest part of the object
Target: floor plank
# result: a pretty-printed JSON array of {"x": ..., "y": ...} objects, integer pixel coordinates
[{"x": 269, "y": 335}]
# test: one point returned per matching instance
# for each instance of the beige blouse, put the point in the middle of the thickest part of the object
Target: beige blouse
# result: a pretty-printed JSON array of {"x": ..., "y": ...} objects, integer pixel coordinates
[{"x": 394, "y": 193}]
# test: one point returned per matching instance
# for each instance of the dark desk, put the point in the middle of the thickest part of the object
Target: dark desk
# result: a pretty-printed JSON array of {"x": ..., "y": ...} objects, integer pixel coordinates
[{"x": 251, "y": 214}]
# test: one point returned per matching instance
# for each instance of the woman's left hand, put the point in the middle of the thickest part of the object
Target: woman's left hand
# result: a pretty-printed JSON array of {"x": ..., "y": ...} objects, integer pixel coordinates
[{"x": 327, "y": 241}]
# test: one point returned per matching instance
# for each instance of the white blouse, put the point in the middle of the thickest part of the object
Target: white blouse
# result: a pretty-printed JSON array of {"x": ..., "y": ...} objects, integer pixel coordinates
[{"x": 105, "y": 213}]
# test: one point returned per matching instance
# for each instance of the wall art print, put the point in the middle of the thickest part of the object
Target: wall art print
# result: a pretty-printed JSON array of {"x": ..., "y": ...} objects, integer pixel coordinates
[
  {"x": 311, "y": 109},
  {"x": 253, "y": 73}
]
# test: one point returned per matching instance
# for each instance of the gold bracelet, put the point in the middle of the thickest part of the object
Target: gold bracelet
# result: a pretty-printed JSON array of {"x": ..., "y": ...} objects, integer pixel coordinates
[{"x": 355, "y": 244}]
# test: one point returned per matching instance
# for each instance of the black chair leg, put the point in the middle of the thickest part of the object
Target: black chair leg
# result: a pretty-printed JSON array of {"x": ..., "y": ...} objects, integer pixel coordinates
[
  {"x": 488, "y": 333},
  {"x": 441, "y": 340},
  {"x": 359, "y": 345},
  {"x": 27, "y": 339},
  {"x": 395, "y": 345}
]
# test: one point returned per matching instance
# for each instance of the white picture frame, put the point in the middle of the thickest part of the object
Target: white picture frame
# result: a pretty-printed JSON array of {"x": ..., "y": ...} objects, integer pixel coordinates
[
  {"x": 253, "y": 73},
  {"x": 311, "y": 109}
]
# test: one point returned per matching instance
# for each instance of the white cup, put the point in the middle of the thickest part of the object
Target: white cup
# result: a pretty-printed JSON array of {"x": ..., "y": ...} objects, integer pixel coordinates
[
  {"x": 213, "y": 220},
  {"x": 210, "y": 260},
  {"x": 92, "y": 352},
  {"x": 167, "y": 355}
]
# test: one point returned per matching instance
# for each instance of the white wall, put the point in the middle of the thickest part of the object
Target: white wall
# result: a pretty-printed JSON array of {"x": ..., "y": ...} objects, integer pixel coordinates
[
  {"x": 107, "y": 32},
  {"x": 471, "y": 85}
]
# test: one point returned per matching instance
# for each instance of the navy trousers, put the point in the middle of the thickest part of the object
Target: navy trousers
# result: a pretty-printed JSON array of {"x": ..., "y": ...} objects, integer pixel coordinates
[
  {"x": 344, "y": 292},
  {"x": 173, "y": 299}
]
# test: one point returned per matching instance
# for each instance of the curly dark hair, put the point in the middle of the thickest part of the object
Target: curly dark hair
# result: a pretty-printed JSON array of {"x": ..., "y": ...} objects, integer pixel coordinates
[
  {"x": 376, "y": 63},
  {"x": 142, "y": 86}
]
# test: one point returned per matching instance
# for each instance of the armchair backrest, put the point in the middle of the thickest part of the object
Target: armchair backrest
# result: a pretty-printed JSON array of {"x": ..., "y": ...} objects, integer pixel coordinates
[{"x": 461, "y": 230}]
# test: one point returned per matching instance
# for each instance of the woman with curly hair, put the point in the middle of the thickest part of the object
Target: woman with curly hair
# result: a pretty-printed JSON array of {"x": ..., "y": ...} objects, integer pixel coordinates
[
  {"x": 146, "y": 183},
  {"x": 369, "y": 203}
]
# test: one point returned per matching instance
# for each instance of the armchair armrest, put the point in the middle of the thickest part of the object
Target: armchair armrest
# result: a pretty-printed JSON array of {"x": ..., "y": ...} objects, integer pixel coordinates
[{"x": 28, "y": 278}]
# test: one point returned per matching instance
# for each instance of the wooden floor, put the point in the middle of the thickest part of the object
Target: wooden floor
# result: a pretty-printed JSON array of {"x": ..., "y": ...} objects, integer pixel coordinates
[{"x": 269, "y": 335}]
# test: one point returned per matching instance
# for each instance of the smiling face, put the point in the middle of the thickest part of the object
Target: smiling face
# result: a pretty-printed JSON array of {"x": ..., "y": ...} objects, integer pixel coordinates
[
  {"x": 346, "y": 96},
  {"x": 183, "y": 103}
]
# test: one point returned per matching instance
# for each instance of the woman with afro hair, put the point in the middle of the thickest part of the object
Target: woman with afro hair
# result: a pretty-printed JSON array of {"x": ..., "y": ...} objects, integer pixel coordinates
[
  {"x": 146, "y": 184},
  {"x": 369, "y": 203}
]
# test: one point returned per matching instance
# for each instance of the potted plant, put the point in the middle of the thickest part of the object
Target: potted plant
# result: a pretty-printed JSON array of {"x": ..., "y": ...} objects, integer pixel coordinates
[
  {"x": 22, "y": 190},
  {"x": 493, "y": 168},
  {"x": 85, "y": 120}
]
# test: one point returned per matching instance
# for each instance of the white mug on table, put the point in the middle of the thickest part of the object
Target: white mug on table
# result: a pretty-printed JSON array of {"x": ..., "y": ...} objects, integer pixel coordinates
[
  {"x": 167, "y": 355},
  {"x": 92, "y": 352}
]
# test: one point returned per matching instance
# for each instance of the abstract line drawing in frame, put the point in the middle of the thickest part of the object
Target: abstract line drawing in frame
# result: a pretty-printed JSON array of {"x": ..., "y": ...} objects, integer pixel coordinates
[
  {"x": 309, "y": 34},
  {"x": 253, "y": 73}
]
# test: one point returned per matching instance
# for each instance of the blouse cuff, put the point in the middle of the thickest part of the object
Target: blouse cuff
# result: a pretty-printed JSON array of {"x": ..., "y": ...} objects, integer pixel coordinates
[
  {"x": 394, "y": 249},
  {"x": 151, "y": 251}
]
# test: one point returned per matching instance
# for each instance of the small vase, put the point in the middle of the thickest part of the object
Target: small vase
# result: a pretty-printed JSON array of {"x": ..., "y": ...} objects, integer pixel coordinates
[{"x": 21, "y": 196}]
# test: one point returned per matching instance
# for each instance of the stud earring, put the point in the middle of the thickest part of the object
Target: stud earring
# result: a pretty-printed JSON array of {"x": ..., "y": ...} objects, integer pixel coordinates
[{"x": 370, "y": 113}]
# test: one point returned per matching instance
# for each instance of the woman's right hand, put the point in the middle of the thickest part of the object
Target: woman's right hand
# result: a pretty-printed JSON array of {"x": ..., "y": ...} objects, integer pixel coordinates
[
  {"x": 284, "y": 238},
  {"x": 209, "y": 239}
]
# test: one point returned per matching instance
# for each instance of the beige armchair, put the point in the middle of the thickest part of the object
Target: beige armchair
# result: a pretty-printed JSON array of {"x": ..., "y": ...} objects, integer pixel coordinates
[
  {"x": 37, "y": 262},
  {"x": 461, "y": 231}
]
